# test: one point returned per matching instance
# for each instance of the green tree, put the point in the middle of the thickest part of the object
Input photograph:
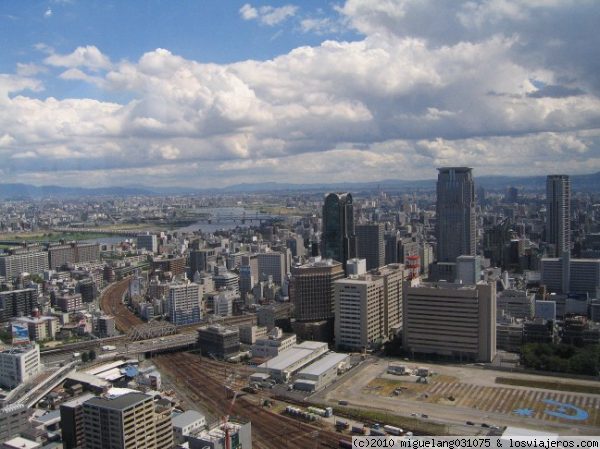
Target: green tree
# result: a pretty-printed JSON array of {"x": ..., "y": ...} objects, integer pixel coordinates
[
  {"x": 92, "y": 355},
  {"x": 85, "y": 357}
]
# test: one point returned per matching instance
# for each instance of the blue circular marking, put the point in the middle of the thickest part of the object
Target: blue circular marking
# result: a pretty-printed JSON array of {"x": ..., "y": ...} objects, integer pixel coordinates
[{"x": 577, "y": 414}]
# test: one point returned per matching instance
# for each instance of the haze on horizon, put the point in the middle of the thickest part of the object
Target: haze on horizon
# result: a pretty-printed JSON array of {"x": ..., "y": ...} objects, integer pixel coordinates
[{"x": 217, "y": 93}]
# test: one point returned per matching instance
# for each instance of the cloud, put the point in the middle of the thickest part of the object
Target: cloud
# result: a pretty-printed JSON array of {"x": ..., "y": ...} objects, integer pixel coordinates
[
  {"x": 89, "y": 57},
  {"x": 268, "y": 15},
  {"x": 427, "y": 84},
  {"x": 48, "y": 13}
]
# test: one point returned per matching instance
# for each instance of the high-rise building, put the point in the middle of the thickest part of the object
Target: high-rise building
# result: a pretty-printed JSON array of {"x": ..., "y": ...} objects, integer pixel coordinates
[
  {"x": 147, "y": 241},
  {"x": 23, "y": 261},
  {"x": 221, "y": 342},
  {"x": 338, "y": 239},
  {"x": 128, "y": 421},
  {"x": 455, "y": 210},
  {"x": 201, "y": 259},
  {"x": 452, "y": 320},
  {"x": 184, "y": 303},
  {"x": 272, "y": 264},
  {"x": 558, "y": 213},
  {"x": 15, "y": 303},
  {"x": 312, "y": 289},
  {"x": 59, "y": 255},
  {"x": 71, "y": 421},
  {"x": 368, "y": 308},
  {"x": 370, "y": 244},
  {"x": 566, "y": 275}
]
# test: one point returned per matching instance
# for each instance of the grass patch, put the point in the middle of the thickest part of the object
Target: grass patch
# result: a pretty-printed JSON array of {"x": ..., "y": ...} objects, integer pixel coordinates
[
  {"x": 373, "y": 416},
  {"x": 549, "y": 385}
]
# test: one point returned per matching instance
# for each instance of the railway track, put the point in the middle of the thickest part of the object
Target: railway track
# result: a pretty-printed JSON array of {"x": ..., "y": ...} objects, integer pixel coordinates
[
  {"x": 111, "y": 303},
  {"x": 206, "y": 379}
]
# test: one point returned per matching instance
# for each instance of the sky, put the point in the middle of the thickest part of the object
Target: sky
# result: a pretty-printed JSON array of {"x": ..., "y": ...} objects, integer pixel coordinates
[{"x": 206, "y": 93}]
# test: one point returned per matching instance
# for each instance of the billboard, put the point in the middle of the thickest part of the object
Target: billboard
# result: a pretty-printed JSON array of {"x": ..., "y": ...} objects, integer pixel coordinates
[{"x": 20, "y": 333}]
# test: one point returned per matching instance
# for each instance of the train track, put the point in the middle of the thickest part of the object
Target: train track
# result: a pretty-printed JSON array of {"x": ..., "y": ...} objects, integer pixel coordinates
[
  {"x": 206, "y": 380},
  {"x": 111, "y": 303}
]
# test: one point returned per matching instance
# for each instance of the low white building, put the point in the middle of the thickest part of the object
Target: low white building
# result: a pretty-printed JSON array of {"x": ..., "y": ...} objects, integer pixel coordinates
[
  {"x": 249, "y": 334},
  {"x": 18, "y": 364},
  {"x": 275, "y": 343},
  {"x": 186, "y": 423},
  {"x": 321, "y": 373},
  {"x": 288, "y": 362}
]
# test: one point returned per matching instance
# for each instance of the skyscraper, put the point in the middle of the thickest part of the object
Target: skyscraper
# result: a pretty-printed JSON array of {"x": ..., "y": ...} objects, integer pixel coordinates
[
  {"x": 338, "y": 239},
  {"x": 558, "y": 211},
  {"x": 455, "y": 209},
  {"x": 370, "y": 245}
]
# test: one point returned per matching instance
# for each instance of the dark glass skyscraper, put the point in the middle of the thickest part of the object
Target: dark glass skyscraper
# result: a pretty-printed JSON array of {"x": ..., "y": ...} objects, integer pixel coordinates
[
  {"x": 455, "y": 209},
  {"x": 338, "y": 239},
  {"x": 558, "y": 211}
]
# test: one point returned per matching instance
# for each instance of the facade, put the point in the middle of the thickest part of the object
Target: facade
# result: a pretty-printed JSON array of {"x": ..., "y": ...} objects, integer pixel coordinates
[
  {"x": 18, "y": 364},
  {"x": 272, "y": 264},
  {"x": 70, "y": 253},
  {"x": 184, "y": 304},
  {"x": 370, "y": 244},
  {"x": 338, "y": 239},
  {"x": 223, "y": 302},
  {"x": 32, "y": 262},
  {"x": 368, "y": 308},
  {"x": 225, "y": 279},
  {"x": 105, "y": 326},
  {"x": 127, "y": 421},
  {"x": 40, "y": 328},
  {"x": 71, "y": 421},
  {"x": 250, "y": 333},
  {"x": 468, "y": 269},
  {"x": 455, "y": 211},
  {"x": 566, "y": 275},
  {"x": 451, "y": 320},
  {"x": 69, "y": 302},
  {"x": 312, "y": 289},
  {"x": 147, "y": 241},
  {"x": 558, "y": 213},
  {"x": 174, "y": 265},
  {"x": 273, "y": 345},
  {"x": 15, "y": 303},
  {"x": 221, "y": 342},
  {"x": 516, "y": 304},
  {"x": 186, "y": 423},
  {"x": 202, "y": 259},
  {"x": 13, "y": 420}
]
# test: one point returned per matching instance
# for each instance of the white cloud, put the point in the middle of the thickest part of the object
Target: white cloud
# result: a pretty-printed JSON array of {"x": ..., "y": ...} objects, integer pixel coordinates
[
  {"x": 268, "y": 15},
  {"x": 48, "y": 13},
  {"x": 89, "y": 57},
  {"x": 475, "y": 86}
]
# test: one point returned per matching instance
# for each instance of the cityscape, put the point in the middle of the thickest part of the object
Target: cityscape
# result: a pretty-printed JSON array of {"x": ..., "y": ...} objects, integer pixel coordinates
[{"x": 233, "y": 225}]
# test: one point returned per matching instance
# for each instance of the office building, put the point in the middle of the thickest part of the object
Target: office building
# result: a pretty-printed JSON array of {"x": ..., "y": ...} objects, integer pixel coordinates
[
  {"x": 468, "y": 269},
  {"x": 338, "y": 239},
  {"x": 312, "y": 289},
  {"x": 451, "y": 320},
  {"x": 368, "y": 308},
  {"x": 272, "y": 264},
  {"x": 71, "y": 421},
  {"x": 22, "y": 261},
  {"x": 225, "y": 279},
  {"x": 19, "y": 364},
  {"x": 515, "y": 304},
  {"x": 558, "y": 213},
  {"x": 69, "y": 302},
  {"x": 370, "y": 244},
  {"x": 223, "y": 302},
  {"x": 128, "y": 421},
  {"x": 16, "y": 303},
  {"x": 171, "y": 264},
  {"x": 202, "y": 259},
  {"x": 218, "y": 341},
  {"x": 148, "y": 242},
  {"x": 566, "y": 275},
  {"x": 184, "y": 303},
  {"x": 71, "y": 253},
  {"x": 105, "y": 326},
  {"x": 455, "y": 211}
]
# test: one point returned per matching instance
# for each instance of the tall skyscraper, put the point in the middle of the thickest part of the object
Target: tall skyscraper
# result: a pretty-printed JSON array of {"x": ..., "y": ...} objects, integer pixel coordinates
[
  {"x": 558, "y": 211},
  {"x": 455, "y": 209},
  {"x": 338, "y": 239},
  {"x": 370, "y": 244}
]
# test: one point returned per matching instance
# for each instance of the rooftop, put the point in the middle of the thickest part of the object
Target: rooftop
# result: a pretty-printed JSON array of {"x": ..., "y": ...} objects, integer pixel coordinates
[
  {"x": 325, "y": 364},
  {"x": 122, "y": 402},
  {"x": 186, "y": 418},
  {"x": 79, "y": 400},
  {"x": 287, "y": 358}
]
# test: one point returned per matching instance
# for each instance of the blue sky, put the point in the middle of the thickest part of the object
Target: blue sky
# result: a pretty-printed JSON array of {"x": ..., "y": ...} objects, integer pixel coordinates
[{"x": 195, "y": 92}]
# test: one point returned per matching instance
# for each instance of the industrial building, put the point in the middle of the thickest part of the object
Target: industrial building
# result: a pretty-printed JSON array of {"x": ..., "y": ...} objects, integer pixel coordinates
[
  {"x": 451, "y": 320},
  {"x": 321, "y": 373},
  {"x": 238, "y": 432},
  {"x": 19, "y": 364},
  {"x": 282, "y": 367}
]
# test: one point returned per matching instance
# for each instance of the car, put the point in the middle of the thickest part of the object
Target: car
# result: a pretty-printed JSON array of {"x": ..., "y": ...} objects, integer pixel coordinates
[
  {"x": 470, "y": 423},
  {"x": 413, "y": 414},
  {"x": 342, "y": 402},
  {"x": 485, "y": 425},
  {"x": 424, "y": 416}
]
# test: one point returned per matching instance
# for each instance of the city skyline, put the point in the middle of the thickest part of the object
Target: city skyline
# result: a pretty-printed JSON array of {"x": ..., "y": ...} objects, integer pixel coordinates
[{"x": 171, "y": 95}]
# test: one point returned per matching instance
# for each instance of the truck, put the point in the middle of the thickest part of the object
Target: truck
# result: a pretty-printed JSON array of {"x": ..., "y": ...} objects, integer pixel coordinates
[
  {"x": 341, "y": 424},
  {"x": 359, "y": 428},
  {"x": 108, "y": 348},
  {"x": 76, "y": 355},
  {"x": 393, "y": 430},
  {"x": 325, "y": 412},
  {"x": 377, "y": 432}
]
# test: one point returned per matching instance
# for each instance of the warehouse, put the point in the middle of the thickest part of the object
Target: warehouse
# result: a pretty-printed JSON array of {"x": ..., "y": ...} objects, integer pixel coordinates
[
  {"x": 283, "y": 366},
  {"x": 322, "y": 372}
]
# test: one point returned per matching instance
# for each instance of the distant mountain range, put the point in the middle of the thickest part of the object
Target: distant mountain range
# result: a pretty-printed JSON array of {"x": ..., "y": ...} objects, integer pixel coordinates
[{"x": 581, "y": 183}]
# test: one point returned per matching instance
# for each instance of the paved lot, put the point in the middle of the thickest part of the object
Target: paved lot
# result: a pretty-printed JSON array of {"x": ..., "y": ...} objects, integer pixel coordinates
[{"x": 457, "y": 394}]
